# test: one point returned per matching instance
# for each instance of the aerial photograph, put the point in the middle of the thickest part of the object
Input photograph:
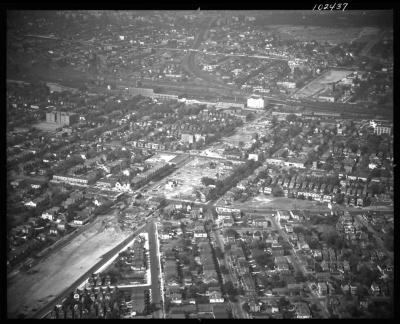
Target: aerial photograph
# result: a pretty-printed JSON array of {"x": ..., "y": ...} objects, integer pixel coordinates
[{"x": 200, "y": 164}]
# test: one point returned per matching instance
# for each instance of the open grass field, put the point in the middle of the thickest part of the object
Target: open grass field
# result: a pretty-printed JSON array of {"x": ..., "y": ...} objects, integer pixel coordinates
[
  {"x": 27, "y": 292},
  {"x": 263, "y": 201},
  {"x": 234, "y": 140}
]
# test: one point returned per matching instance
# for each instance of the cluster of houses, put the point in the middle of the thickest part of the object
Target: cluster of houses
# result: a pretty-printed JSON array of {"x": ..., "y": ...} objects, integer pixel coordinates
[
  {"x": 262, "y": 307},
  {"x": 179, "y": 275},
  {"x": 313, "y": 186},
  {"x": 345, "y": 165},
  {"x": 100, "y": 300},
  {"x": 133, "y": 263},
  {"x": 325, "y": 264},
  {"x": 171, "y": 130},
  {"x": 56, "y": 220},
  {"x": 90, "y": 302},
  {"x": 347, "y": 227},
  {"x": 25, "y": 239},
  {"x": 148, "y": 145}
]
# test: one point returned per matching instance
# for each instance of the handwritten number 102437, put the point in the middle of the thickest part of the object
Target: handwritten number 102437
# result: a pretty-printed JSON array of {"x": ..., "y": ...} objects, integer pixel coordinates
[{"x": 333, "y": 6}]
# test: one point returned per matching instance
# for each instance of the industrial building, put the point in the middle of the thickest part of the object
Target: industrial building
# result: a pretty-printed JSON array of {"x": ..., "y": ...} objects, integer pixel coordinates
[{"x": 61, "y": 118}]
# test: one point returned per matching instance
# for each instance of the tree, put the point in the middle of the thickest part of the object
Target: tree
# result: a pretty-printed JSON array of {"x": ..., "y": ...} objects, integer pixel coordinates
[
  {"x": 300, "y": 277},
  {"x": 184, "y": 259},
  {"x": 219, "y": 253},
  {"x": 231, "y": 232},
  {"x": 285, "y": 154},
  {"x": 389, "y": 242},
  {"x": 152, "y": 308},
  {"x": 298, "y": 229},
  {"x": 223, "y": 269},
  {"x": 230, "y": 289},
  {"x": 246, "y": 307},
  {"x": 291, "y": 118},
  {"x": 264, "y": 259},
  {"x": 283, "y": 302},
  {"x": 367, "y": 276},
  {"x": 314, "y": 309},
  {"x": 207, "y": 181},
  {"x": 274, "y": 121},
  {"x": 277, "y": 191}
]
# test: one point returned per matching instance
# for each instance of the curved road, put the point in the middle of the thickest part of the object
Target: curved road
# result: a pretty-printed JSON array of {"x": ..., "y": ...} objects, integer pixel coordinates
[{"x": 190, "y": 66}]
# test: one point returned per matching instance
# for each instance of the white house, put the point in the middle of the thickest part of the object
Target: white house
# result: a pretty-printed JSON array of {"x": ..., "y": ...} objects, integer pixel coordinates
[
  {"x": 255, "y": 102},
  {"x": 30, "y": 204},
  {"x": 216, "y": 297},
  {"x": 267, "y": 190},
  {"x": 123, "y": 187},
  {"x": 165, "y": 236},
  {"x": 176, "y": 298},
  {"x": 327, "y": 198},
  {"x": 199, "y": 234},
  {"x": 253, "y": 156},
  {"x": 47, "y": 215},
  {"x": 78, "y": 221}
]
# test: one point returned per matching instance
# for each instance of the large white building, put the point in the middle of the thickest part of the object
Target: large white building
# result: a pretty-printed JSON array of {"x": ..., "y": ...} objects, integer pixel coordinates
[
  {"x": 382, "y": 130},
  {"x": 255, "y": 102}
]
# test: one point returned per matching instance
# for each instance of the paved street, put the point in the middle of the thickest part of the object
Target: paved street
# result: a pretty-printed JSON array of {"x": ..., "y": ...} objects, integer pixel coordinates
[
  {"x": 155, "y": 267},
  {"x": 237, "y": 309}
]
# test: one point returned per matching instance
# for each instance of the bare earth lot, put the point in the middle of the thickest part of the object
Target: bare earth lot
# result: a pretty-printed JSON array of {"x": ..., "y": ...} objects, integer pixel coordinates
[
  {"x": 189, "y": 179},
  {"x": 29, "y": 292}
]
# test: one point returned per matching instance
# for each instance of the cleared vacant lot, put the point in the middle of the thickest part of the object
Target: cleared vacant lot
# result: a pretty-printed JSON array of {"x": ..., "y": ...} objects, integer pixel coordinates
[
  {"x": 188, "y": 178},
  {"x": 29, "y": 292}
]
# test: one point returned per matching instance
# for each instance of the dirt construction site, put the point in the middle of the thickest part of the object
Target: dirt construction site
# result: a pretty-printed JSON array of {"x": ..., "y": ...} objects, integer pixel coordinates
[
  {"x": 28, "y": 291},
  {"x": 182, "y": 183}
]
